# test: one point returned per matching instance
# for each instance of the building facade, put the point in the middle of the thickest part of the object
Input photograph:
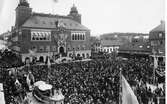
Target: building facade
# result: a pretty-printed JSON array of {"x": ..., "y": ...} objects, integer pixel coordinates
[
  {"x": 111, "y": 42},
  {"x": 95, "y": 44},
  {"x": 157, "y": 41},
  {"x": 38, "y": 35},
  {"x": 136, "y": 48},
  {"x": 4, "y": 38}
]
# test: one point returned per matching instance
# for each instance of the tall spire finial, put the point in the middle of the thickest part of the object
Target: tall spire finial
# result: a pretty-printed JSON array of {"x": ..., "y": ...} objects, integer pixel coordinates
[
  {"x": 73, "y": 3},
  {"x": 22, "y": 1}
]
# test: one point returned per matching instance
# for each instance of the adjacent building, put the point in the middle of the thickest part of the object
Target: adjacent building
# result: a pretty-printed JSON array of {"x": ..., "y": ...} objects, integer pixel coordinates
[
  {"x": 38, "y": 35},
  {"x": 95, "y": 44},
  {"x": 111, "y": 42},
  {"x": 136, "y": 47},
  {"x": 4, "y": 36},
  {"x": 4, "y": 39},
  {"x": 157, "y": 40}
]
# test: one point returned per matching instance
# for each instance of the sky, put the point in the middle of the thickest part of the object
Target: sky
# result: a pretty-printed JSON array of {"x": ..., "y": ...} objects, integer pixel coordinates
[{"x": 100, "y": 16}]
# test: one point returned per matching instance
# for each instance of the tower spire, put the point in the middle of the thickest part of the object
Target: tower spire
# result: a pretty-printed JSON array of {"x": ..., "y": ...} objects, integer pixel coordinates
[
  {"x": 74, "y": 13},
  {"x": 24, "y": 3},
  {"x": 73, "y": 2},
  {"x": 23, "y": 12}
]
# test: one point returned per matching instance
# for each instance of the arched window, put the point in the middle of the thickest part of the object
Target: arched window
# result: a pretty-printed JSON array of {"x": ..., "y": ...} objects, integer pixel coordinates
[
  {"x": 41, "y": 59},
  {"x": 78, "y": 36},
  {"x": 87, "y": 55},
  {"x": 75, "y": 36},
  {"x": 83, "y": 37},
  {"x": 27, "y": 60},
  {"x": 70, "y": 55},
  {"x": 78, "y": 55},
  {"x": 83, "y": 55}
]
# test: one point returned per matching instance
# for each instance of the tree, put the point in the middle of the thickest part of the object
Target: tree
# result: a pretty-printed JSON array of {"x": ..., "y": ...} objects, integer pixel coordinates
[{"x": 9, "y": 58}]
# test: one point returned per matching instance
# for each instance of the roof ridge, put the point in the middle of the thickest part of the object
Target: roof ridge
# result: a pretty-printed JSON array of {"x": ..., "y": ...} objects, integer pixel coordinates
[
  {"x": 159, "y": 27},
  {"x": 51, "y": 15},
  {"x": 42, "y": 20}
]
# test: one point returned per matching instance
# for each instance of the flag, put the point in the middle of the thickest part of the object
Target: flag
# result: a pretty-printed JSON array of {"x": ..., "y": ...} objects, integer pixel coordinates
[
  {"x": 2, "y": 96},
  {"x": 128, "y": 96},
  {"x": 48, "y": 63},
  {"x": 30, "y": 80},
  {"x": 155, "y": 62}
]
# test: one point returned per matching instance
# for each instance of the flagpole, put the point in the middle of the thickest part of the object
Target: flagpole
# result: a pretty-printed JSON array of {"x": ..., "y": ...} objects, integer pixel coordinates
[
  {"x": 52, "y": 8},
  {"x": 120, "y": 86},
  {"x": 155, "y": 66},
  {"x": 154, "y": 70}
]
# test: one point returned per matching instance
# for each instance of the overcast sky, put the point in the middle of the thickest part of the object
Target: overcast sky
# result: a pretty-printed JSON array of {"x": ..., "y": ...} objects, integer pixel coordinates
[{"x": 100, "y": 16}]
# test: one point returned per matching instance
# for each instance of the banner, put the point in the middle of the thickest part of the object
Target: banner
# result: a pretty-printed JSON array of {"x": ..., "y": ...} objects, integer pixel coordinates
[
  {"x": 128, "y": 96},
  {"x": 2, "y": 98},
  {"x": 155, "y": 62}
]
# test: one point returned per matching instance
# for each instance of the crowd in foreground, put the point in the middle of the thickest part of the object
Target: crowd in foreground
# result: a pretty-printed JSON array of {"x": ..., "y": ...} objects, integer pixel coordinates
[{"x": 88, "y": 82}]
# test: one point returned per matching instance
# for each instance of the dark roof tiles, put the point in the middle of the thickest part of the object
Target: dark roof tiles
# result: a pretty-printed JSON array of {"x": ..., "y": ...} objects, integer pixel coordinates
[
  {"x": 48, "y": 21},
  {"x": 136, "y": 46},
  {"x": 108, "y": 43},
  {"x": 160, "y": 27}
]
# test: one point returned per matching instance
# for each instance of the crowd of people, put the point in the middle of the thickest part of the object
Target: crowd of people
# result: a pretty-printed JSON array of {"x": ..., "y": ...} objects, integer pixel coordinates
[{"x": 88, "y": 82}]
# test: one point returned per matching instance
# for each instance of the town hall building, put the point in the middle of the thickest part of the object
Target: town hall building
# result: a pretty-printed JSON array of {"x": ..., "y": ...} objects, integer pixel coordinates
[{"x": 41, "y": 35}]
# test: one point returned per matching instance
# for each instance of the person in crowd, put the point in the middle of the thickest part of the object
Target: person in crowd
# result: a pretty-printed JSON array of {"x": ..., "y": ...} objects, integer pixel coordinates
[{"x": 95, "y": 81}]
